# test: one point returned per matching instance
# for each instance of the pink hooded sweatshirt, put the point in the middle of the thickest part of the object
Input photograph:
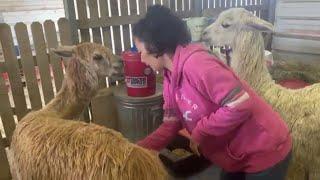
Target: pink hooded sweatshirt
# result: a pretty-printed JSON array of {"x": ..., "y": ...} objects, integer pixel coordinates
[{"x": 249, "y": 137}]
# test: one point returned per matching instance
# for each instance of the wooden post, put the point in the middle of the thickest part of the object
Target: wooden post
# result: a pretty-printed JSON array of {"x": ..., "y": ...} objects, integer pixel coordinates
[
  {"x": 166, "y": 3},
  {"x": 11, "y": 63},
  {"x": 71, "y": 16},
  {"x": 6, "y": 111},
  {"x": 179, "y": 6},
  {"x": 244, "y": 2},
  {"x": 65, "y": 32},
  {"x": 28, "y": 65},
  {"x": 142, "y": 7},
  {"x": 149, "y": 3},
  {"x": 55, "y": 61},
  {"x": 93, "y": 9},
  {"x": 4, "y": 165},
  {"x": 186, "y": 5},
  {"x": 205, "y": 4},
  {"x": 173, "y": 5},
  {"x": 106, "y": 32},
  {"x": 116, "y": 29},
  {"x": 1, "y": 18},
  {"x": 42, "y": 60},
  {"x": 223, "y": 3},
  {"x": 198, "y": 7},
  {"x": 272, "y": 10},
  {"x": 82, "y": 15},
  {"x": 125, "y": 27},
  {"x": 234, "y": 2},
  {"x": 265, "y": 12}
]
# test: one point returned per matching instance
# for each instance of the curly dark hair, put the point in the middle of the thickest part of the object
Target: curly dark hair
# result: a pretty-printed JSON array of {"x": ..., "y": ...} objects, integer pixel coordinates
[{"x": 161, "y": 31}]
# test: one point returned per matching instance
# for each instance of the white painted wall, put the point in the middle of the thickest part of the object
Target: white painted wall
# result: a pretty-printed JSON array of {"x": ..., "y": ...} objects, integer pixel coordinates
[
  {"x": 29, "y": 5},
  {"x": 28, "y": 11}
]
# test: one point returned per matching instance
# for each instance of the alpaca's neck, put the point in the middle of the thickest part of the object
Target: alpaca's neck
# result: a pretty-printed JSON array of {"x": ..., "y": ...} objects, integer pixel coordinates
[
  {"x": 79, "y": 86},
  {"x": 248, "y": 59}
]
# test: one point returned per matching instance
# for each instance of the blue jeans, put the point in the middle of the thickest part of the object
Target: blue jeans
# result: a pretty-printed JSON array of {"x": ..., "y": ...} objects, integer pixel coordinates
[{"x": 277, "y": 172}]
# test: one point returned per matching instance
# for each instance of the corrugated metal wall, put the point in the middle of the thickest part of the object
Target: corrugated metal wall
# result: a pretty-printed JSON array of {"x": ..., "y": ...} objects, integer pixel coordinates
[{"x": 296, "y": 43}]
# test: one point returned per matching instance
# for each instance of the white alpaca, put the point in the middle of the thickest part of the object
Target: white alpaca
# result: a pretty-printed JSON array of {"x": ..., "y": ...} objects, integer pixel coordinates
[{"x": 299, "y": 108}]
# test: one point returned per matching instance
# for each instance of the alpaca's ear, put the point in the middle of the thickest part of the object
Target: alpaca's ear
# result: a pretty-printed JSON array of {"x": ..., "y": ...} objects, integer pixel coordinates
[
  {"x": 64, "y": 51},
  {"x": 258, "y": 24}
]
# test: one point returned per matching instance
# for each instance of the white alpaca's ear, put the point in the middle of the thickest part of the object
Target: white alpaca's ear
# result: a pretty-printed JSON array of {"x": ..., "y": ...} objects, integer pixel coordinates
[
  {"x": 64, "y": 51},
  {"x": 258, "y": 24}
]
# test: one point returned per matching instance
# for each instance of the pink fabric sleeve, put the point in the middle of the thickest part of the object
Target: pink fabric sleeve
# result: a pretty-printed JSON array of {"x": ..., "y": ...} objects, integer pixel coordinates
[
  {"x": 161, "y": 137},
  {"x": 170, "y": 127},
  {"x": 221, "y": 86}
]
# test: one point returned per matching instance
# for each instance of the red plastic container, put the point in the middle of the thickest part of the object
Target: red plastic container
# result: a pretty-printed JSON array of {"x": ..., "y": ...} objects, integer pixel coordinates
[{"x": 140, "y": 78}]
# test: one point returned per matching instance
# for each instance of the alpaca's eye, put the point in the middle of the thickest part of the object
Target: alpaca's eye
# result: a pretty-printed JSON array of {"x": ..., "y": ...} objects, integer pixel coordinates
[
  {"x": 225, "y": 25},
  {"x": 97, "y": 57}
]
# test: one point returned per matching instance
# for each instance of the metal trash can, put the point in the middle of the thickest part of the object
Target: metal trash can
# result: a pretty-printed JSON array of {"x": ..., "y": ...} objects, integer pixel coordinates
[{"x": 138, "y": 116}]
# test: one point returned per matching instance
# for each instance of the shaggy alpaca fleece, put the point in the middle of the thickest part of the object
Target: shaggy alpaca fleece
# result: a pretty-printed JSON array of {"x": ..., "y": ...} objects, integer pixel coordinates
[
  {"x": 54, "y": 148},
  {"x": 47, "y": 144}
]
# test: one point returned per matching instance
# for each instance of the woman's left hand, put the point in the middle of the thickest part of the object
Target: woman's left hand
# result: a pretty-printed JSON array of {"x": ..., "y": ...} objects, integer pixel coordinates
[{"x": 194, "y": 146}]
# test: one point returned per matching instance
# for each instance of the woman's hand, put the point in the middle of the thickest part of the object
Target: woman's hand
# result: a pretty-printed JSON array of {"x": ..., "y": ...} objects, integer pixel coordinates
[{"x": 194, "y": 146}]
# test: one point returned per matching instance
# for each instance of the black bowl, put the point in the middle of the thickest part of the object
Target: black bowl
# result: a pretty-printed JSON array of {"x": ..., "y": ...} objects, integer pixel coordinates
[{"x": 182, "y": 166}]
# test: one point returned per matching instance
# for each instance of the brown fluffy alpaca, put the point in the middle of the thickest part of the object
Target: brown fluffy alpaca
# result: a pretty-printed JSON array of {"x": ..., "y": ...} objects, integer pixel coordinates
[{"x": 45, "y": 145}]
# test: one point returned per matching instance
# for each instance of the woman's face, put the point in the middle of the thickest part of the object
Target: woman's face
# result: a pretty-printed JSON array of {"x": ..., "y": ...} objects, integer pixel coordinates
[{"x": 157, "y": 64}]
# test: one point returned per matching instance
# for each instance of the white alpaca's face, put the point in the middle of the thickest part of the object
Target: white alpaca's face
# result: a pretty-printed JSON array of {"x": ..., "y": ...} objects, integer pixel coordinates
[
  {"x": 229, "y": 23},
  {"x": 225, "y": 28}
]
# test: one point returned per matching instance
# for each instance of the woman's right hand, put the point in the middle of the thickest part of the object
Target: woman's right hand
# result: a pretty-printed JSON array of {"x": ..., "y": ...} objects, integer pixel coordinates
[{"x": 194, "y": 146}]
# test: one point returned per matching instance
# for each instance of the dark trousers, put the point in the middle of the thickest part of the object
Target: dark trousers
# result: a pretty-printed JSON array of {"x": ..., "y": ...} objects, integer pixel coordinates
[{"x": 277, "y": 172}]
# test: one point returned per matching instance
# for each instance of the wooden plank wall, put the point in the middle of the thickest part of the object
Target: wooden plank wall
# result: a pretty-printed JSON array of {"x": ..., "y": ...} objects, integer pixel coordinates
[
  {"x": 114, "y": 17},
  {"x": 260, "y": 8},
  {"x": 109, "y": 21}
]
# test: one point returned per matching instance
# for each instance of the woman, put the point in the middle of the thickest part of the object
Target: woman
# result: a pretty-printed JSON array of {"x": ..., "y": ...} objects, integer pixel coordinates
[{"x": 228, "y": 122}]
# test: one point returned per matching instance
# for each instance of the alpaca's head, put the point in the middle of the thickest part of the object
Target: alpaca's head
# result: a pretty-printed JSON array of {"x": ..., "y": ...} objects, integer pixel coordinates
[
  {"x": 230, "y": 23},
  {"x": 95, "y": 56}
]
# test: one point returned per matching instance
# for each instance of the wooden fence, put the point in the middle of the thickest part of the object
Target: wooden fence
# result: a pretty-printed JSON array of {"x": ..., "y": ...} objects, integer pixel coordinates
[
  {"x": 109, "y": 21},
  {"x": 102, "y": 21}
]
